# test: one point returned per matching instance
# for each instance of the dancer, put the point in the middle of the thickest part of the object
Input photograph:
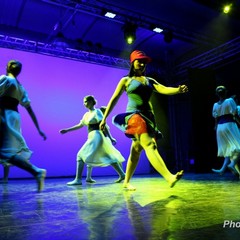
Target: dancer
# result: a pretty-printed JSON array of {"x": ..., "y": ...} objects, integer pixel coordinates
[
  {"x": 98, "y": 149},
  {"x": 138, "y": 122},
  {"x": 113, "y": 140},
  {"x": 226, "y": 161},
  {"x": 13, "y": 148},
  {"x": 227, "y": 132}
]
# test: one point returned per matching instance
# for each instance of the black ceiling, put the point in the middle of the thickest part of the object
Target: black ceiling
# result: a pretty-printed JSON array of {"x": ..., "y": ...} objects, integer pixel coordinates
[{"x": 197, "y": 26}]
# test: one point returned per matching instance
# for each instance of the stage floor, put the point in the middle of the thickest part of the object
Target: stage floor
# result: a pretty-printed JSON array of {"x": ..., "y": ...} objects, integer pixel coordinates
[{"x": 200, "y": 206}]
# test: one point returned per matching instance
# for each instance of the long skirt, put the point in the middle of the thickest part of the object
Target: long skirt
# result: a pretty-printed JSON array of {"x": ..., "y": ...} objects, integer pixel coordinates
[
  {"x": 11, "y": 139},
  {"x": 99, "y": 151},
  {"x": 228, "y": 139}
]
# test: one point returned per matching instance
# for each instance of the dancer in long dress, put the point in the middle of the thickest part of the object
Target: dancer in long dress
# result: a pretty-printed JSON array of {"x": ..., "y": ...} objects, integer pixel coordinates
[
  {"x": 98, "y": 150},
  {"x": 138, "y": 122},
  {"x": 227, "y": 132},
  {"x": 13, "y": 148}
]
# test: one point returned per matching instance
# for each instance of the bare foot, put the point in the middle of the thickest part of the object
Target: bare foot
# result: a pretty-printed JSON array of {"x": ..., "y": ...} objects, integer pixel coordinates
[
  {"x": 128, "y": 187},
  {"x": 120, "y": 179},
  {"x": 218, "y": 171},
  {"x": 233, "y": 170},
  {"x": 75, "y": 182},
  {"x": 176, "y": 178},
  {"x": 90, "y": 180},
  {"x": 40, "y": 179}
]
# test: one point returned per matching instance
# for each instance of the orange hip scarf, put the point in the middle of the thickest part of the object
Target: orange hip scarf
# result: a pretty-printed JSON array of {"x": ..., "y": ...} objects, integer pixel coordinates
[{"x": 136, "y": 125}]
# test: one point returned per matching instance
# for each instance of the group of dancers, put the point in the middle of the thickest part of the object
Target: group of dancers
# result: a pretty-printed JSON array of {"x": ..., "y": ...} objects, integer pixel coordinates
[{"x": 137, "y": 123}]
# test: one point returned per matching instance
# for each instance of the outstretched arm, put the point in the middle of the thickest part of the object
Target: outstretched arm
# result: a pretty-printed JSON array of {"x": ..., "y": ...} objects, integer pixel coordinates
[
  {"x": 170, "y": 90},
  {"x": 35, "y": 121},
  {"x": 75, "y": 127},
  {"x": 113, "y": 101}
]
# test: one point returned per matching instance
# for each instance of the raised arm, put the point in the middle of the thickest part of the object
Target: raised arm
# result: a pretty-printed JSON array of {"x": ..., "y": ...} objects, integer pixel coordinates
[
  {"x": 35, "y": 121},
  {"x": 113, "y": 101}
]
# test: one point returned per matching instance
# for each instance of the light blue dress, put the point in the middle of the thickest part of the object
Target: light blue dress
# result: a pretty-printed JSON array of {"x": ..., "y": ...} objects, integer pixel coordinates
[
  {"x": 12, "y": 141},
  {"x": 98, "y": 149},
  {"x": 227, "y": 132}
]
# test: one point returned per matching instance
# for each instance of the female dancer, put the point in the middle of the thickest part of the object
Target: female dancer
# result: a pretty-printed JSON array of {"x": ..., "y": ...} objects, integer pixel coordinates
[
  {"x": 13, "y": 148},
  {"x": 138, "y": 122},
  {"x": 227, "y": 132},
  {"x": 98, "y": 149}
]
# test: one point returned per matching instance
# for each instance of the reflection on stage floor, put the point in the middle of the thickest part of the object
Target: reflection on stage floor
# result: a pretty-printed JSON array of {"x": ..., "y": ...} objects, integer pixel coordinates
[{"x": 200, "y": 206}]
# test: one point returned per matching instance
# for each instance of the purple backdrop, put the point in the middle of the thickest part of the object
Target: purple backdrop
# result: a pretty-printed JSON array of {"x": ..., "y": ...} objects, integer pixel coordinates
[{"x": 56, "y": 87}]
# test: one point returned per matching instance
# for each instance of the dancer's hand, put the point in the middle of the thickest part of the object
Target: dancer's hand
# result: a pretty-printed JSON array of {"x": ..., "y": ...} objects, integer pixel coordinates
[
  {"x": 42, "y": 134},
  {"x": 102, "y": 125},
  {"x": 62, "y": 131},
  {"x": 183, "y": 88}
]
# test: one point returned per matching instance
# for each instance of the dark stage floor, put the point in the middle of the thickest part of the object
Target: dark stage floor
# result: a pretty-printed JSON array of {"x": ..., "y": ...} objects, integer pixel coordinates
[{"x": 200, "y": 206}]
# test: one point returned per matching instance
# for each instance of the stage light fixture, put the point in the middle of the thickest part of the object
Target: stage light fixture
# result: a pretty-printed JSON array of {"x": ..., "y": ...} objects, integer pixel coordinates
[
  {"x": 157, "y": 29},
  {"x": 60, "y": 41},
  {"x": 227, "y": 8},
  {"x": 110, "y": 15},
  {"x": 129, "y": 30},
  {"x": 168, "y": 36}
]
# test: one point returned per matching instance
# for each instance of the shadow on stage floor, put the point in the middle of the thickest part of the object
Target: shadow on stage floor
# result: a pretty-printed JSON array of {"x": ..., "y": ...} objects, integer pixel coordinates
[{"x": 200, "y": 206}]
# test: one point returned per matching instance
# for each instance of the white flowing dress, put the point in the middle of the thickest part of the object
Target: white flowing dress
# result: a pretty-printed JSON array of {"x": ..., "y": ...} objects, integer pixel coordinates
[
  {"x": 12, "y": 141},
  {"x": 98, "y": 149},
  {"x": 227, "y": 134}
]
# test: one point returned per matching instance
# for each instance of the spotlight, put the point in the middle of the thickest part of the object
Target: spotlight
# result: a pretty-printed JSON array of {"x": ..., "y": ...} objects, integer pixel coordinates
[
  {"x": 98, "y": 48},
  {"x": 110, "y": 15},
  {"x": 89, "y": 43},
  {"x": 227, "y": 8},
  {"x": 129, "y": 30},
  {"x": 168, "y": 36},
  {"x": 60, "y": 41},
  {"x": 157, "y": 29}
]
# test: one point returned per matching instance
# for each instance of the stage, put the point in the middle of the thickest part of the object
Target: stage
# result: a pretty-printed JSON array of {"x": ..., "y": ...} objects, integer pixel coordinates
[{"x": 200, "y": 206}]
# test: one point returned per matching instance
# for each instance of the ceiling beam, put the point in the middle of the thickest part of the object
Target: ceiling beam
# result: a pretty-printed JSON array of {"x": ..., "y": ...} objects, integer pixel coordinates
[
  {"x": 220, "y": 55},
  {"x": 214, "y": 57},
  {"x": 96, "y": 8},
  {"x": 68, "y": 53}
]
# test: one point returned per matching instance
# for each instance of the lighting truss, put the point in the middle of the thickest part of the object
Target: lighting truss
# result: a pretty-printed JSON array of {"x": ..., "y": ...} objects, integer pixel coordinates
[
  {"x": 69, "y": 53},
  {"x": 96, "y": 7},
  {"x": 213, "y": 58}
]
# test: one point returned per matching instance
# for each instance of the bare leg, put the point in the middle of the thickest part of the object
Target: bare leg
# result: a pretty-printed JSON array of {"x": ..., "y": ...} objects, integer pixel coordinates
[
  {"x": 132, "y": 164},
  {"x": 38, "y": 173},
  {"x": 233, "y": 166},
  {"x": 224, "y": 166},
  {"x": 89, "y": 175},
  {"x": 119, "y": 170},
  {"x": 238, "y": 169},
  {"x": 156, "y": 160},
  {"x": 79, "y": 170},
  {"x": 5, "y": 173}
]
